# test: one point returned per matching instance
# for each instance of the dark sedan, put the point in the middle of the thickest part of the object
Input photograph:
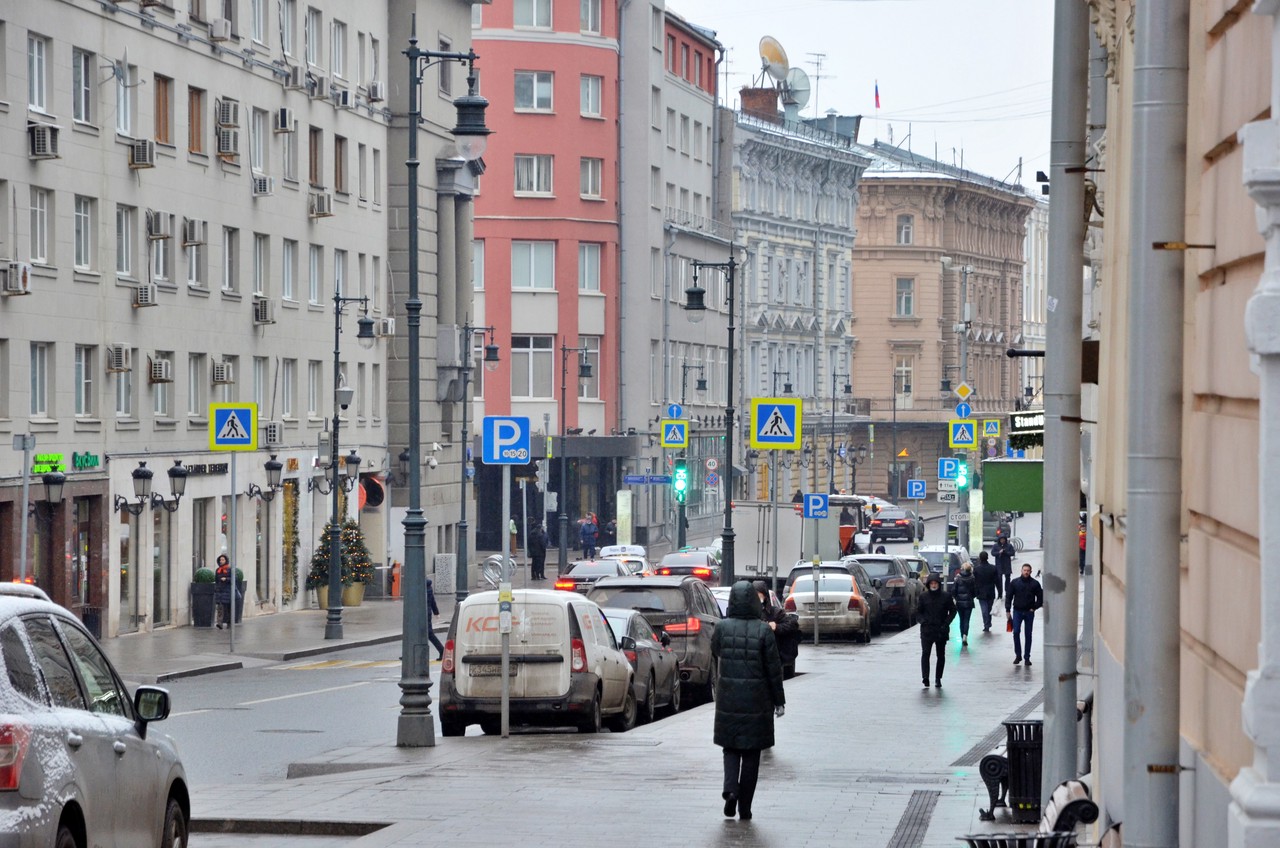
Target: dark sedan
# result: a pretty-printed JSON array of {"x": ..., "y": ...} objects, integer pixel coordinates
[
  {"x": 898, "y": 586},
  {"x": 683, "y": 608},
  {"x": 896, "y": 523},
  {"x": 700, "y": 563},
  {"x": 656, "y": 670},
  {"x": 583, "y": 574}
]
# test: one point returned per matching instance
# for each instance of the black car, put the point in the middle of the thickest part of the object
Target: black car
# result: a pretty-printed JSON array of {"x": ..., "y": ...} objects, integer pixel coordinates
[
  {"x": 898, "y": 586},
  {"x": 679, "y": 605},
  {"x": 582, "y": 575},
  {"x": 657, "y": 672},
  {"x": 896, "y": 523},
  {"x": 701, "y": 563}
]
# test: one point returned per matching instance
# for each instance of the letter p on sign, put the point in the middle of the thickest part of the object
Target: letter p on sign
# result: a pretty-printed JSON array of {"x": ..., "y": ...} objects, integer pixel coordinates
[{"x": 506, "y": 440}]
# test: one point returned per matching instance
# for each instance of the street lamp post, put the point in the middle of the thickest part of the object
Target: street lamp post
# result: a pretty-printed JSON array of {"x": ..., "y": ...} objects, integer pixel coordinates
[
  {"x": 415, "y": 727},
  {"x": 695, "y": 305},
  {"x": 831, "y": 451},
  {"x": 853, "y": 458},
  {"x": 894, "y": 473},
  {"x": 962, "y": 329},
  {"x": 699, "y": 386},
  {"x": 490, "y": 362},
  {"x": 584, "y": 373}
]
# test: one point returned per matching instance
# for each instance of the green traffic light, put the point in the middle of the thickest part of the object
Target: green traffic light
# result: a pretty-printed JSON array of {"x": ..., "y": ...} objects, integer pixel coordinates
[
  {"x": 962, "y": 474},
  {"x": 680, "y": 480}
]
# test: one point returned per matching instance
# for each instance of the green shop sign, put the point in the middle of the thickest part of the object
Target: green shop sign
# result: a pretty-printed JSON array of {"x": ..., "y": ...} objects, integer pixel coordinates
[{"x": 43, "y": 463}]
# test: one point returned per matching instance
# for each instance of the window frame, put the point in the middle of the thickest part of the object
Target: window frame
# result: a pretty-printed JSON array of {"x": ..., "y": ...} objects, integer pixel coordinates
[
  {"x": 541, "y": 168},
  {"x": 83, "y": 84},
  {"x": 38, "y": 48},
  {"x": 82, "y": 233},
  {"x": 534, "y": 356},
  {"x": 904, "y": 297},
  {"x": 537, "y": 82},
  {"x": 591, "y": 96},
  {"x": 539, "y": 17},
  {"x": 85, "y": 406},
  {"x": 904, "y": 230},
  {"x": 591, "y": 178},
  {"x": 532, "y": 280},
  {"x": 589, "y": 266}
]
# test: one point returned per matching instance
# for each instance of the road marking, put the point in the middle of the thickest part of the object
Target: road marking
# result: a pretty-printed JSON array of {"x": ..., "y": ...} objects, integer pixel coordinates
[
  {"x": 189, "y": 713},
  {"x": 302, "y": 694},
  {"x": 321, "y": 664}
]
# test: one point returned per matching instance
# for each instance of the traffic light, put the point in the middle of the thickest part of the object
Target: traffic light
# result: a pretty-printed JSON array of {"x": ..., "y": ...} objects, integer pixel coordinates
[
  {"x": 680, "y": 479},
  {"x": 962, "y": 474}
]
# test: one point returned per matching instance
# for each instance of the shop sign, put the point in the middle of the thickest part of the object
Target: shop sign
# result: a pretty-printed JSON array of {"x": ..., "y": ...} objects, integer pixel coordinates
[
  {"x": 43, "y": 463},
  {"x": 207, "y": 468},
  {"x": 85, "y": 461}
]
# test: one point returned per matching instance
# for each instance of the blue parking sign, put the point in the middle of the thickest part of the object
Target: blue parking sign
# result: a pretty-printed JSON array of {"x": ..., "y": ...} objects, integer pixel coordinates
[
  {"x": 815, "y": 505},
  {"x": 505, "y": 440},
  {"x": 948, "y": 467},
  {"x": 915, "y": 490}
]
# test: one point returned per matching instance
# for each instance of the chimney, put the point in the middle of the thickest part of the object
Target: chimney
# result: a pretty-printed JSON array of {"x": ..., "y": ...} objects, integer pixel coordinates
[{"x": 761, "y": 103}]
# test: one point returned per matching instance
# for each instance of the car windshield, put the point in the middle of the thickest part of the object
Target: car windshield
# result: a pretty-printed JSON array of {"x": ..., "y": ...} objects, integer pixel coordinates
[
  {"x": 890, "y": 514},
  {"x": 826, "y": 583},
  {"x": 934, "y": 558},
  {"x": 640, "y": 598},
  {"x": 593, "y": 569},
  {"x": 686, "y": 558},
  {"x": 877, "y": 567}
]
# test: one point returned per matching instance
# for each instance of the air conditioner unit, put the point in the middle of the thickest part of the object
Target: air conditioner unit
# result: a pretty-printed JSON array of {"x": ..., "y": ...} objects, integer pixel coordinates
[
  {"x": 194, "y": 232},
  {"x": 273, "y": 433},
  {"x": 284, "y": 121},
  {"x": 219, "y": 29},
  {"x": 319, "y": 86},
  {"x": 385, "y": 327},
  {"x": 146, "y": 295},
  {"x": 320, "y": 204},
  {"x": 161, "y": 371},
  {"x": 159, "y": 225},
  {"x": 42, "y": 141},
  {"x": 228, "y": 142},
  {"x": 228, "y": 113},
  {"x": 343, "y": 98},
  {"x": 16, "y": 278},
  {"x": 117, "y": 358},
  {"x": 264, "y": 311},
  {"x": 297, "y": 77},
  {"x": 377, "y": 91},
  {"x": 264, "y": 186},
  {"x": 223, "y": 373},
  {"x": 142, "y": 153}
]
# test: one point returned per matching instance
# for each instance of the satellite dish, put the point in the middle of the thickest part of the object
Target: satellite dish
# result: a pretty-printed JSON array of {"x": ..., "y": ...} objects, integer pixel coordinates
[
  {"x": 773, "y": 58},
  {"x": 795, "y": 90}
]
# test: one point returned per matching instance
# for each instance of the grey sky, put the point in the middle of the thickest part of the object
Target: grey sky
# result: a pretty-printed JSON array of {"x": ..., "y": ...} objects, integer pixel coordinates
[{"x": 961, "y": 76}]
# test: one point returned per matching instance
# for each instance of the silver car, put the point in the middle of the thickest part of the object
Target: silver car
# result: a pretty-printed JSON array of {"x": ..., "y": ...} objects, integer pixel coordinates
[{"x": 78, "y": 765}]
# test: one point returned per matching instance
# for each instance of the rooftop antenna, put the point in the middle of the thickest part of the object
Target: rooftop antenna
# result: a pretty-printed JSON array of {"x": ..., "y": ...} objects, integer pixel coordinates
[{"x": 818, "y": 76}]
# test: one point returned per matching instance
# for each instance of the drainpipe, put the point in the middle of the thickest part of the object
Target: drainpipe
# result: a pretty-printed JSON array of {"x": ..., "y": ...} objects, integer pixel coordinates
[
  {"x": 620, "y": 370},
  {"x": 1062, "y": 391},
  {"x": 1254, "y": 813},
  {"x": 1154, "y": 496}
]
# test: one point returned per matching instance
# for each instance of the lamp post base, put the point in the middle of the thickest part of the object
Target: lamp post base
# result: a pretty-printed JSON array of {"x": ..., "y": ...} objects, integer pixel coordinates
[
  {"x": 333, "y": 623},
  {"x": 415, "y": 731}
]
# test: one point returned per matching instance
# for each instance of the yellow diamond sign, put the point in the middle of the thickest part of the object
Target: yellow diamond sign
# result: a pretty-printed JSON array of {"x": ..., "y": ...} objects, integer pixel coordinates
[{"x": 963, "y": 391}]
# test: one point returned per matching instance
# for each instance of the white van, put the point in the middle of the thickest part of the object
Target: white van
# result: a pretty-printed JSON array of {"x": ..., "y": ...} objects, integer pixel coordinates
[{"x": 566, "y": 667}]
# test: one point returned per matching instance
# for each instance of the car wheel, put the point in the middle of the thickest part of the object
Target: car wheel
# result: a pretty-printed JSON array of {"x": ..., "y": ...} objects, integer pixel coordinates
[
  {"x": 452, "y": 728},
  {"x": 878, "y": 627},
  {"x": 650, "y": 709},
  {"x": 677, "y": 689},
  {"x": 911, "y": 536},
  {"x": 591, "y": 722},
  {"x": 66, "y": 839},
  {"x": 491, "y": 726},
  {"x": 175, "y": 826},
  {"x": 626, "y": 719}
]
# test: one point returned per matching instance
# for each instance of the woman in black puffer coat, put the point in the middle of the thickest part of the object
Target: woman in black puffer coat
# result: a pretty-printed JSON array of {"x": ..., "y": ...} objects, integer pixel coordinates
[{"x": 748, "y": 695}]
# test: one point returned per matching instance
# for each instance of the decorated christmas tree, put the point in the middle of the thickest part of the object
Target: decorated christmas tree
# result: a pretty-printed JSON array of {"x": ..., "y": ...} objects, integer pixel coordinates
[{"x": 356, "y": 565}]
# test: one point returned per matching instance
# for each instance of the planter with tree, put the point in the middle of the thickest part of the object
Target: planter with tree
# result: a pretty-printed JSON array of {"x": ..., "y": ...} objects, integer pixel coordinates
[
  {"x": 357, "y": 567},
  {"x": 202, "y": 598}
]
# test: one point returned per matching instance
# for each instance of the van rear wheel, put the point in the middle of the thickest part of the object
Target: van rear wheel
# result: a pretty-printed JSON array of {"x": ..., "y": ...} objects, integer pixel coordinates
[
  {"x": 452, "y": 728},
  {"x": 592, "y": 721},
  {"x": 626, "y": 719}
]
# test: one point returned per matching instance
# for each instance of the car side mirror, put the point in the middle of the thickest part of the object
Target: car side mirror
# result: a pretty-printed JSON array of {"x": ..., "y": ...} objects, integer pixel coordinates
[
  {"x": 665, "y": 639},
  {"x": 150, "y": 703},
  {"x": 876, "y": 583},
  {"x": 627, "y": 643}
]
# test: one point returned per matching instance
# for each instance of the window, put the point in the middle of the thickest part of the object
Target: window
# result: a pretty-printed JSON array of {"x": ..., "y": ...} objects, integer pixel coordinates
[
  {"x": 315, "y": 157},
  {"x": 906, "y": 224},
  {"x": 37, "y": 72},
  {"x": 339, "y": 164},
  {"x": 684, "y": 134},
  {"x": 261, "y": 262},
  {"x": 195, "y": 120},
  {"x": 684, "y": 61},
  {"x": 125, "y": 85},
  {"x": 590, "y": 16},
  {"x": 83, "y": 76},
  {"x": 532, "y": 366},
  {"x": 315, "y": 267},
  {"x": 161, "y": 249},
  {"x": 903, "y": 366},
  {"x": 655, "y": 107},
  {"x": 590, "y": 387},
  {"x": 375, "y": 58},
  {"x": 589, "y": 101},
  {"x": 588, "y": 267},
  {"x": 477, "y": 264},
  {"x": 230, "y": 259},
  {"x": 315, "y": 378},
  {"x": 533, "y": 174},
  {"x": 164, "y": 109},
  {"x": 533, "y": 90},
  {"x": 311, "y": 36},
  {"x": 375, "y": 282},
  {"x": 288, "y": 386},
  {"x": 591, "y": 173},
  {"x": 655, "y": 187},
  {"x": 161, "y": 395},
  {"x": 288, "y": 25},
  {"x": 446, "y": 69},
  {"x": 83, "y": 235},
  {"x": 126, "y": 219},
  {"x": 533, "y": 265},
  {"x": 533, "y": 13},
  {"x": 338, "y": 50},
  {"x": 258, "y": 135},
  {"x": 258, "y": 20},
  {"x": 261, "y": 380},
  {"x": 697, "y": 141},
  {"x": 289, "y": 270},
  {"x": 197, "y": 405},
  {"x": 39, "y": 380},
  {"x": 124, "y": 392},
  {"x": 377, "y": 177},
  {"x": 671, "y": 53},
  {"x": 697, "y": 67},
  {"x": 86, "y": 404},
  {"x": 195, "y": 265},
  {"x": 671, "y": 128},
  {"x": 375, "y": 390},
  {"x": 340, "y": 273},
  {"x": 904, "y": 297},
  {"x": 362, "y": 173}
]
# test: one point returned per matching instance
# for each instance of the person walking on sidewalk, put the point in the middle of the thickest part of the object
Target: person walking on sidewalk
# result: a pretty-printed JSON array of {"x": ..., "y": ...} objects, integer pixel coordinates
[
  {"x": 432, "y": 609},
  {"x": 785, "y": 627},
  {"x": 537, "y": 545},
  {"x": 965, "y": 588},
  {"x": 1024, "y": 597},
  {"x": 986, "y": 578},
  {"x": 587, "y": 532},
  {"x": 1003, "y": 553},
  {"x": 749, "y": 695},
  {"x": 935, "y": 612}
]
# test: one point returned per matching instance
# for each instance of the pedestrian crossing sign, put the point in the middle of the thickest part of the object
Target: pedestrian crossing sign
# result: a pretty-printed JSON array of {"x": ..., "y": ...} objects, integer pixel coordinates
[
  {"x": 775, "y": 423},
  {"x": 675, "y": 433},
  {"x": 233, "y": 426},
  {"x": 962, "y": 433},
  {"x": 991, "y": 427}
]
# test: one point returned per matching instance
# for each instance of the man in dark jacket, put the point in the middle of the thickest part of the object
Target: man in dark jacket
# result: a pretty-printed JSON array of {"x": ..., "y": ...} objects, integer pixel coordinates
[
  {"x": 1003, "y": 553},
  {"x": 785, "y": 627},
  {"x": 987, "y": 578},
  {"x": 1024, "y": 597},
  {"x": 965, "y": 590},
  {"x": 936, "y": 611},
  {"x": 537, "y": 545},
  {"x": 748, "y": 695}
]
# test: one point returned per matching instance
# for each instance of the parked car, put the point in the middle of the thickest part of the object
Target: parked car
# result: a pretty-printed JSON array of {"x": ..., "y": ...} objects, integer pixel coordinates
[
  {"x": 953, "y": 555},
  {"x": 654, "y": 665},
  {"x": 581, "y": 575},
  {"x": 683, "y": 608},
  {"x": 916, "y": 564},
  {"x": 634, "y": 557},
  {"x": 841, "y": 607},
  {"x": 721, "y": 594},
  {"x": 995, "y": 525},
  {"x": 896, "y": 523},
  {"x": 804, "y": 566},
  {"x": 699, "y": 563},
  {"x": 79, "y": 761},
  {"x": 565, "y": 665},
  {"x": 897, "y": 585}
]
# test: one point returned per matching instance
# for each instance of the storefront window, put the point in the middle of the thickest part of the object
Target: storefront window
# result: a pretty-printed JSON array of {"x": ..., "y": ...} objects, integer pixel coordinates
[
  {"x": 161, "y": 597},
  {"x": 128, "y": 575},
  {"x": 262, "y": 582}
]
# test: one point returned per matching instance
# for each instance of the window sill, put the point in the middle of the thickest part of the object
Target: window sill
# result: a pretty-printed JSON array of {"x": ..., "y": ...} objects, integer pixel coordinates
[
  {"x": 197, "y": 290},
  {"x": 230, "y": 294},
  {"x": 84, "y": 275},
  {"x": 127, "y": 281},
  {"x": 44, "y": 269},
  {"x": 905, "y": 319},
  {"x": 591, "y": 198},
  {"x": 290, "y": 183},
  {"x": 532, "y": 110},
  {"x": 545, "y": 195},
  {"x": 198, "y": 157},
  {"x": 86, "y": 128},
  {"x": 194, "y": 423},
  {"x": 288, "y": 303},
  {"x": 312, "y": 306},
  {"x": 591, "y": 117},
  {"x": 88, "y": 425},
  {"x": 313, "y": 421},
  {"x": 43, "y": 425},
  {"x": 127, "y": 424},
  {"x": 289, "y": 421},
  {"x": 40, "y": 115},
  {"x": 165, "y": 424}
]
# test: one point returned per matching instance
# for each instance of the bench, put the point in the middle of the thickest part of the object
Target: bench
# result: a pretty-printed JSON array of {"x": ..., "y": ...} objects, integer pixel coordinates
[{"x": 1068, "y": 807}]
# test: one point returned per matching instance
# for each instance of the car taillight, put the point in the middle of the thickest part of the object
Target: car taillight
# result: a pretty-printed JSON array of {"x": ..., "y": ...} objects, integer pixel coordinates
[
  {"x": 631, "y": 657},
  {"x": 876, "y": 522},
  {"x": 664, "y": 571},
  {"x": 702, "y": 572},
  {"x": 446, "y": 664},
  {"x": 566, "y": 585},
  {"x": 855, "y": 603},
  {"x": 13, "y": 750},
  {"x": 789, "y": 604},
  {"x": 578, "y": 655},
  {"x": 901, "y": 522},
  {"x": 690, "y": 625}
]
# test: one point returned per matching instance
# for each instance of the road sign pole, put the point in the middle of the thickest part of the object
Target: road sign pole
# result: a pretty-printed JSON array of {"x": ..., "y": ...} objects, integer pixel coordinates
[
  {"x": 504, "y": 624},
  {"x": 817, "y": 564}
]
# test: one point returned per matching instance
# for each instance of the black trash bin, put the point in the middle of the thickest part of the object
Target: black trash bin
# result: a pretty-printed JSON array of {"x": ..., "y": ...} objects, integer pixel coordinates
[{"x": 1025, "y": 750}]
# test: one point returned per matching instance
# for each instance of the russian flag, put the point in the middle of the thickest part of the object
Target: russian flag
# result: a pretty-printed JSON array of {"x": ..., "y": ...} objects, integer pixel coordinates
[{"x": 877, "y": 94}]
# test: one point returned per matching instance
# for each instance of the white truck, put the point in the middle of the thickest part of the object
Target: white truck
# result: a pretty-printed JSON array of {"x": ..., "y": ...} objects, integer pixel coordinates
[{"x": 757, "y": 554}]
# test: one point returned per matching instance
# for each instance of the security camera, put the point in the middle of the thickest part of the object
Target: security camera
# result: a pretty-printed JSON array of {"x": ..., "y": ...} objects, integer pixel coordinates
[
  {"x": 344, "y": 396},
  {"x": 433, "y": 462}
]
